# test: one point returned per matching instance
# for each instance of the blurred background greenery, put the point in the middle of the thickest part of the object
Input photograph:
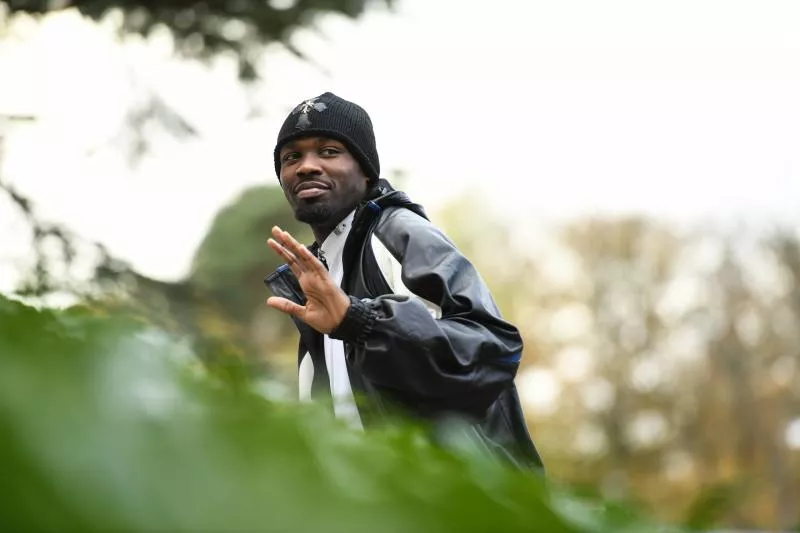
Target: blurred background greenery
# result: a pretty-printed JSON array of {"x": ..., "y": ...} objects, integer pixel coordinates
[{"x": 662, "y": 360}]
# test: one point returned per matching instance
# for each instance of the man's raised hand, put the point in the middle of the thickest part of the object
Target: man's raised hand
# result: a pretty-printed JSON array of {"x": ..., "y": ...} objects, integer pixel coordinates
[{"x": 327, "y": 303}]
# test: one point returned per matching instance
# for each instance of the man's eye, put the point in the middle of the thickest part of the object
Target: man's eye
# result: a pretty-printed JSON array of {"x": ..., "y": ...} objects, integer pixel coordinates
[
  {"x": 329, "y": 151},
  {"x": 291, "y": 156}
]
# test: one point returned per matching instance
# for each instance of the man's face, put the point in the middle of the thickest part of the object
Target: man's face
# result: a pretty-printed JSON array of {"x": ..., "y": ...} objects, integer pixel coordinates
[{"x": 321, "y": 179}]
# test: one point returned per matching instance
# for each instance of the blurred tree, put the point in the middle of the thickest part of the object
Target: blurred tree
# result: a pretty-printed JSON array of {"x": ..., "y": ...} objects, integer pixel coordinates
[
  {"x": 220, "y": 303},
  {"x": 628, "y": 264},
  {"x": 39, "y": 279},
  {"x": 674, "y": 358},
  {"x": 203, "y": 30},
  {"x": 241, "y": 29},
  {"x": 784, "y": 371},
  {"x": 234, "y": 254},
  {"x": 681, "y": 330}
]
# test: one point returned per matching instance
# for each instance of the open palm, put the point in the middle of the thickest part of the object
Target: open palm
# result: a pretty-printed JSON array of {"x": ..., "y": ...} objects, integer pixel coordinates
[{"x": 326, "y": 303}]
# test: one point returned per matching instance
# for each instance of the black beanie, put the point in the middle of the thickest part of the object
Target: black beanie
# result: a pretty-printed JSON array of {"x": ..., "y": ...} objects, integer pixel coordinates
[{"x": 328, "y": 115}]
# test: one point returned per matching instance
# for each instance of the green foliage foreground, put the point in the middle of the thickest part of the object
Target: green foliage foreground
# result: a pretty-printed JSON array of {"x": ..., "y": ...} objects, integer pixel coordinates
[{"x": 108, "y": 425}]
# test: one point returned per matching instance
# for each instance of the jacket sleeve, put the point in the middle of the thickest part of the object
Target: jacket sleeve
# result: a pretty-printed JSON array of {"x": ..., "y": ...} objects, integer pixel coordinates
[{"x": 460, "y": 361}]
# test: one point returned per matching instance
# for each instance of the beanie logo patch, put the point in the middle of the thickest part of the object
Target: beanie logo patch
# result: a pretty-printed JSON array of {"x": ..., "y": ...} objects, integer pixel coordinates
[{"x": 304, "y": 108}]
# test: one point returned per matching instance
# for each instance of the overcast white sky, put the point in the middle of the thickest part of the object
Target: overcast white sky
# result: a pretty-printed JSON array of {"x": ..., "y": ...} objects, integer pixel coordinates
[{"x": 682, "y": 108}]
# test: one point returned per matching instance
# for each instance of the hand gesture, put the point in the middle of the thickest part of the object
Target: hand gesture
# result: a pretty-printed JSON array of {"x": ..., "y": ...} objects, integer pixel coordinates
[{"x": 327, "y": 303}]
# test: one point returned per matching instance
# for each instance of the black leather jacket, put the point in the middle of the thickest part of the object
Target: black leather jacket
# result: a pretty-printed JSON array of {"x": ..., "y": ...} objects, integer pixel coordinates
[{"x": 398, "y": 355}]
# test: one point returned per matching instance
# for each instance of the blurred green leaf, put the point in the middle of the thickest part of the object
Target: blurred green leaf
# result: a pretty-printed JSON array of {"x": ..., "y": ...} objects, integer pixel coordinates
[
  {"x": 713, "y": 503},
  {"x": 110, "y": 425}
]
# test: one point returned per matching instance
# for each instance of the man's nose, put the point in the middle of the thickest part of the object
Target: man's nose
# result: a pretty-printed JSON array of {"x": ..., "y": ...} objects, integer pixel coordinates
[{"x": 309, "y": 165}]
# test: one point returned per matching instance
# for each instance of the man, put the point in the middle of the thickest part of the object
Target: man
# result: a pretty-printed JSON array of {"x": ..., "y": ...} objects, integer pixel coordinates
[{"x": 385, "y": 304}]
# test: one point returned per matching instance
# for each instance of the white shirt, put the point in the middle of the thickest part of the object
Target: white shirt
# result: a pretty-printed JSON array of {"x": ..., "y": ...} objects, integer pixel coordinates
[{"x": 344, "y": 406}]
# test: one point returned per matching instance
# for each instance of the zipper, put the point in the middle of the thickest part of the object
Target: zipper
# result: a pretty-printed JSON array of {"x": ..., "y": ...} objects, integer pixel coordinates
[{"x": 321, "y": 257}]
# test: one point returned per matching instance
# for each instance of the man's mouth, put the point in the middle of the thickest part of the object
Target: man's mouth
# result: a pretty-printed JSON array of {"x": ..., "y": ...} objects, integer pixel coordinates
[
  {"x": 310, "y": 189},
  {"x": 314, "y": 192}
]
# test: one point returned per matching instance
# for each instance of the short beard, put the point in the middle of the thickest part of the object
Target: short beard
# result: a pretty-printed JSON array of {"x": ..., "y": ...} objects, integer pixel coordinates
[{"x": 318, "y": 213}]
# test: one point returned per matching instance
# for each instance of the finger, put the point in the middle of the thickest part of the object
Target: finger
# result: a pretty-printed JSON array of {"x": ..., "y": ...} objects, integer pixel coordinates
[
  {"x": 305, "y": 258},
  {"x": 290, "y": 243},
  {"x": 310, "y": 261},
  {"x": 282, "y": 251},
  {"x": 286, "y": 306},
  {"x": 283, "y": 237},
  {"x": 289, "y": 257}
]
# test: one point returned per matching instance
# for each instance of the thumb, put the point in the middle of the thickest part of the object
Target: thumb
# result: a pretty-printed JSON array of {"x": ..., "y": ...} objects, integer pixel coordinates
[{"x": 286, "y": 306}]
